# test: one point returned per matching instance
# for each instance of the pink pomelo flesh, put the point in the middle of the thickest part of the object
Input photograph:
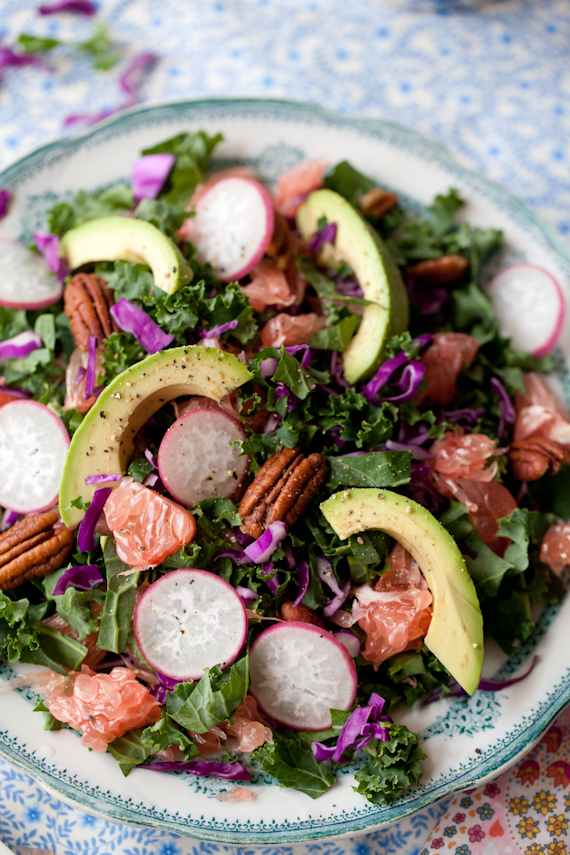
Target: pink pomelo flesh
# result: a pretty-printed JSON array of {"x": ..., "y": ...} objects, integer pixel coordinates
[
  {"x": 299, "y": 673},
  {"x": 233, "y": 226},
  {"x": 189, "y": 620},
  {"x": 25, "y": 280},
  {"x": 529, "y": 306},
  {"x": 197, "y": 460},
  {"x": 33, "y": 446}
]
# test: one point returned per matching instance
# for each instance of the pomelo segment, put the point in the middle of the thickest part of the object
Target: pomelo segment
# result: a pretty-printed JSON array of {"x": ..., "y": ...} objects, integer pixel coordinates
[
  {"x": 299, "y": 673},
  {"x": 190, "y": 620},
  {"x": 196, "y": 459},
  {"x": 25, "y": 280},
  {"x": 33, "y": 446},
  {"x": 530, "y": 307},
  {"x": 233, "y": 226}
]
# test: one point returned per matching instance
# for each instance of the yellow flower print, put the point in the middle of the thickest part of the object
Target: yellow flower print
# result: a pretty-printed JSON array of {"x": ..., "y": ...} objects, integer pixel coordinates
[
  {"x": 567, "y": 802},
  {"x": 528, "y": 828},
  {"x": 534, "y": 849},
  {"x": 556, "y": 848},
  {"x": 518, "y": 806},
  {"x": 544, "y": 802},
  {"x": 557, "y": 825}
]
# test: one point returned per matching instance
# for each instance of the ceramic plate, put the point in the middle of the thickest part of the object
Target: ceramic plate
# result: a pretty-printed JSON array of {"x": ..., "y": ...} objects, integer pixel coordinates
[{"x": 467, "y": 741}]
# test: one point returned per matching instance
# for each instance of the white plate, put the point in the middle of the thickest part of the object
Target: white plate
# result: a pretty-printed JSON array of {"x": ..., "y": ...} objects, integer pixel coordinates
[{"x": 467, "y": 741}]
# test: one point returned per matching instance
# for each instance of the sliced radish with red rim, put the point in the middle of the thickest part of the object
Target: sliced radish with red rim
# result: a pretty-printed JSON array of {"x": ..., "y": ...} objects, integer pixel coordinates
[
  {"x": 25, "y": 279},
  {"x": 33, "y": 446},
  {"x": 197, "y": 460},
  {"x": 233, "y": 226},
  {"x": 299, "y": 673},
  {"x": 189, "y": 620},
  {"x": 529, "y": 306}
]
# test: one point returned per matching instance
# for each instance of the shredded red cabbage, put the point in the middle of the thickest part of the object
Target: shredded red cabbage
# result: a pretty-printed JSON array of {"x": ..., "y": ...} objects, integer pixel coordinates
[
  {"x": 150, "y": 457},
  {"x": 283, "y": 391},
  {"x": 10, "y": 59},
  {"x": 169, "y": 683},
  {"x": 272, "y": 584},
  {"x": 90, "y": 118},
  {"x": 101, "y": 479},
  {"x": 221, "y": 328},
  {"x": 242, "y": 538},
  {"x": 303, "y": 573},
  {"x": 297, "y": 348},
  {"x": 81, "y": 372},
  {"x": 263, "y": 548},
  {"x": 337, "y": 373},
  {"x": 423, "y": 490},
  {"x": 48, "y": 245},
  {"x": 387, "y": 369},
  {"x": 5, "y": 199},
  {"x": 211, "y": 768},
  {"x": 149, "y": 174},
  {"x": 337, "y": 601},
  {"x": 134, "y": 74},
  {"x": 91, "y": 366},
  {"x": 151, "y": 479},
  {"x": 409, "y": 382},
  {"x": 328, "y": 576},
  {"x": 246, "y": 594},
  {"x": 268, "y": 367},
  {"x": 508, "y": 414},
  {"x": 238, "y": 558},
  {"x": 8, "y": 519},
  {"x": 484, "y": 686},
  {"x": 468, "y": 416},
  {"x": 134, "y": 320},
  {"x": 348, "y": 287},
  {"x": 83, "y": 577},
  {"x": 78, "y": 7},
  {"x": 419, "y": 453},
  {"x": 272, "y": 423},
  {"x": 20, "y": 345},
  {"x": 86, "y": 534},
  {"x": 326, "y": 235},
  {"x": 364, "y": 724}
]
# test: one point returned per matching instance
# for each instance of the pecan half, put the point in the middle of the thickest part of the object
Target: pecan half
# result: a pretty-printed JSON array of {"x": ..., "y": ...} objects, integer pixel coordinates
[
  {"x": 536, "y": 456},
  {"x": 289, "y": 611},
  {"x": 87, "y": 301},
  {"x": 281, "y": 490},
  {"x": 438, "y": 271},
  {"x": 377, "y": 202},
  {"x": 282, "y": 246},
  {"x": 32, "y": 548}
]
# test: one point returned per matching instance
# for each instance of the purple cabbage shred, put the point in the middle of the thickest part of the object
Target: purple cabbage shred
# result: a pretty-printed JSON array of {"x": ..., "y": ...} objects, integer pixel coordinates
[
  {"x": 221, "y": 328},
  {"x": 303, "y": 574},
  {"x": 273, "y": 583},
  {"x": 48, "y": 245},
  {"x": 132, "y": 319},
  {"x": 484, "y": 686},
  {"x": 91, "y": 366},
  {"x": 77, "y": 7},
  {"x": 101, "y": 479},
  {"x": 20, "y": 345},
  {"x": 149, "y": 174},
  {"x": 507, "y": 411},
  {"x": 134, "y": 74},
  {"x": 364, "y": 724},
  {"x": 326, "y": 235},
  {"x": 5, "y": 199},
  {"x": 8, "y": 519},
  {"x": 84, "y": 577},
  {"x": 86, "y": 534},
  {"x": 210, "y": 768}
]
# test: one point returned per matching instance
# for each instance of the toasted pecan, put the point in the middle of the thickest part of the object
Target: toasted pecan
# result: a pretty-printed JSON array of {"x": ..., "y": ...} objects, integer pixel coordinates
[
  {"x": 438, "y": 271},
  {"x": 281, "y": 490},
  {"x": 536, "y": 456},
  {"x": 377, "y": 202},
  {"x": 31, "y": 548},
  {"x": 300, "y": 612},
  {"x": 87, "y": 301}
]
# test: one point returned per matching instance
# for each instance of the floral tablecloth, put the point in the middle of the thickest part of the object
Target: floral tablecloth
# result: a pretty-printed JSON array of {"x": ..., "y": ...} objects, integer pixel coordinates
[{"x": 492, "y": 85}]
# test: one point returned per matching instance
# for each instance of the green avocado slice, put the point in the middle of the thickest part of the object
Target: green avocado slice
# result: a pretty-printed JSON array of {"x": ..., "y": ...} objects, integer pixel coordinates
[
  {"x": 455, "y": 634},
  {"x": 127, "y": 239},
  {"x": 103, "y": 443},
  {"x": 376, "y": 271}
]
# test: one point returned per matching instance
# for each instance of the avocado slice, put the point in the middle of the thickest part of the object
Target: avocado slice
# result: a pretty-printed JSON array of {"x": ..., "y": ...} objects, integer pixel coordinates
[
  {"x": 127, "y": 239},
  {"x": 103, "y": 443},
  {"x": 376, "y": 272},
  {"x": 455, "y": 634}
]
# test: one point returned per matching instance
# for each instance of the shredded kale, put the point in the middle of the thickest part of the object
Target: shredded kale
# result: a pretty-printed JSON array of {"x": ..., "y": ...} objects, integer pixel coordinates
[
  {"x": 392, "y": 766},
  {"x": 116, "y": 617},
  {"x": 290, "y": 760},
  {"x": 198, "y": 706}
]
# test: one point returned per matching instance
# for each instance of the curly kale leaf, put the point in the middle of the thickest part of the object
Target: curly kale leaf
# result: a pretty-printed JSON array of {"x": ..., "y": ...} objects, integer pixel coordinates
[{"x": 392, "y": 766}]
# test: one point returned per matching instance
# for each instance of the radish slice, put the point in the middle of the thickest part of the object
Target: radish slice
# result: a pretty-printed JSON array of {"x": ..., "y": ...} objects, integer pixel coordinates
[
  {"x": 189, "y": 620},
  {"x": 233, "y": 226},
  {"x": 529, "y": 305},
  {"x": 33, "y": 446},
  {"x": 299, "y": 673},
  {"x": 196, "y": 459},
  {"x": 25, "y": 280}
]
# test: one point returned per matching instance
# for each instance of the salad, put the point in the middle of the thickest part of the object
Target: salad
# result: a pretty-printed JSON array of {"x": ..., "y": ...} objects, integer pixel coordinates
[{"x": 272, "y": 460}]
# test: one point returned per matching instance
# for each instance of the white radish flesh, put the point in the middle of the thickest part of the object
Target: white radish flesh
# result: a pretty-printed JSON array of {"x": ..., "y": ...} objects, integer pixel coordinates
[
  {"x": 189, "y": 620},
  {"x": 196, "y": 459},
  {"x": 25, "y": 280},
  {"x": 529, "y": 305},
  {"x": 233, "y": 226},
  {"x": 299, "y": 673},
  {"x": 33, "y": 447}
]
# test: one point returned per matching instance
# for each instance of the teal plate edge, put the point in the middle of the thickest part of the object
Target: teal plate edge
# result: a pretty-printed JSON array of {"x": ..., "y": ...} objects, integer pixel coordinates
[{"x": 489, "y": 764}]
